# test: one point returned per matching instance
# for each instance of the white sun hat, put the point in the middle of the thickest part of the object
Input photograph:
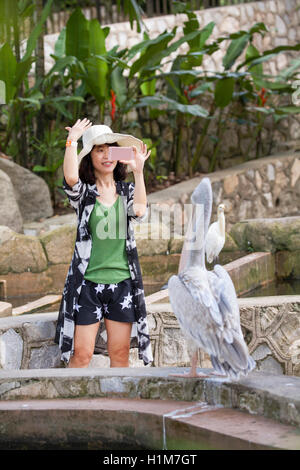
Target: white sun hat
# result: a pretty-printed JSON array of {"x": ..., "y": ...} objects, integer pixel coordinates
[{"x": 101, "y": 134}]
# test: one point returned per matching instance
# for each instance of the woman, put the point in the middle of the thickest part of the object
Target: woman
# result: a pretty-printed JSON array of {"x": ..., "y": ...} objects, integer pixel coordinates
[{"x": 104, "y": 279}]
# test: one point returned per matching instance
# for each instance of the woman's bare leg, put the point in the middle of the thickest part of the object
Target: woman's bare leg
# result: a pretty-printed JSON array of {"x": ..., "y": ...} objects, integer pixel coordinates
[
  {"x": 118, "y": 342},
  {"x": 84, "y": 344}
]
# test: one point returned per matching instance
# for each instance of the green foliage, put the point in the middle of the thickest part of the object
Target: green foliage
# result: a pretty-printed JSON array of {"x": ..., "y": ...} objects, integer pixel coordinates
[{"x": 50, "y": 149}]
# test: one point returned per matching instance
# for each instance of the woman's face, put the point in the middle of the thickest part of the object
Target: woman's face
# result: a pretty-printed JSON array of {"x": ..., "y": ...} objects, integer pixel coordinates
[{"x": 101, "y": 162}]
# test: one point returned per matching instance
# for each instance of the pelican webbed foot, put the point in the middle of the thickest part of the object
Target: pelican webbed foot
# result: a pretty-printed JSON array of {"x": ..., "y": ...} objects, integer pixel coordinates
[
  {"x": 191, "y": 374},
  {"x": 217, "y": 374}
]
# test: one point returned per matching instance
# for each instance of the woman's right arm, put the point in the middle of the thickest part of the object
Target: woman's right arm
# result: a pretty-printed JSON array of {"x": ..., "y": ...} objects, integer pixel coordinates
[{"x": 70, "y": 166}]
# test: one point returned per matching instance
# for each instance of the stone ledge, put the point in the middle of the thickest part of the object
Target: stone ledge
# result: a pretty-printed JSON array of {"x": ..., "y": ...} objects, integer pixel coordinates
[
  {"x": 271, "y": 327},
  {"x": 275, "y": 397},
  {"x": 5, "y": 309},
  {"x": 271, "y": 235}
]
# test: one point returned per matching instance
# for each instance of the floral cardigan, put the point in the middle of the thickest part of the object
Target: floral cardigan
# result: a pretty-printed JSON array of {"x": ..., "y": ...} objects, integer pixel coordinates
[{"x": 82, "y": 198}]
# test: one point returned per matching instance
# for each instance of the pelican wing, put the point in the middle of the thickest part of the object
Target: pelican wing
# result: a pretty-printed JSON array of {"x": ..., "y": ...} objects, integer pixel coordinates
[
  {"x": 195, "y": 309},
  {"x": 208, "y": 313},
  {"x": 225, "y": 295}
]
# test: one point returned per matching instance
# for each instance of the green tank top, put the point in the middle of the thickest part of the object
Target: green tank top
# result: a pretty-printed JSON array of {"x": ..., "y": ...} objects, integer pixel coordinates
[{"x": 108, "y": 262}]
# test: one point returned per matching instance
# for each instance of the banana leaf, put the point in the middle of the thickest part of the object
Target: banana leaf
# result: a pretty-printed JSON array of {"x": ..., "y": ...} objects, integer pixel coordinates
[
  {"x": 171, "y": 105},
  {"x": 37, "y": 30},
  {"x": 267, "y": 55},
  {"x": 62, "y": 63},
  {"x": 60, "y": 44},
  {"x": 290, "y": 71},
  {"x": 223, "y": 91},
  {"x": 257, "y": 71},
  {"x": 152, "y": 52},
  {"x": 8, "y": 67},
  {"x": 118, "y": 82},
  {"x": 197, "y": 43},
  {"x": 77, "y": 36},
  {"x": 97, "y": 68},
  {"x": 134, "y": 11},
  {"x": 235, "y": 49},
  {"x": 147, "y": 86}
]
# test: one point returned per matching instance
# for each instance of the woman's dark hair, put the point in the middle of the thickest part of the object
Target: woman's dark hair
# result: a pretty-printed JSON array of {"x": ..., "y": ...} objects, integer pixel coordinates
[{"x": 86, "y": 169}]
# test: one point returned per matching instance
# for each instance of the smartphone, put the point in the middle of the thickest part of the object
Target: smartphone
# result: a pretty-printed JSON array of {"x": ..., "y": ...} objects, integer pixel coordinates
[{"x": 120, "y": 153}]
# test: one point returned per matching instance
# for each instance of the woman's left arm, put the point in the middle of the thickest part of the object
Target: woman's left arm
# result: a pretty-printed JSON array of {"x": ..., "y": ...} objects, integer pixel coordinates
[
  {"x": 140, "y": 197},
  {"x": 137, "y": 166}
]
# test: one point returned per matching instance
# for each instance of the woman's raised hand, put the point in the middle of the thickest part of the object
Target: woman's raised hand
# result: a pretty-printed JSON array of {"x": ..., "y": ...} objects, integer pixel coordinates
[
  {"x": 78, "y": 129},
  {"x": 137, "y": 164}
]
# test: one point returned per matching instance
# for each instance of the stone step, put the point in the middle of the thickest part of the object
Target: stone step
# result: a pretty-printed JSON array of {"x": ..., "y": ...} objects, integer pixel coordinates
[
  {"x": 115, "y": 423},
  {"x": 44, "y": 301},
  {"x": 271, "y": 396},
  {"x": 5, "y": 309}
]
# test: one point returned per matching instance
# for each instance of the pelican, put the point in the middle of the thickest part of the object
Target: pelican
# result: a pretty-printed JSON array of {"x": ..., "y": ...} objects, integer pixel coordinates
[
  {"x": 215, "y": 238},
  {"x": 205, "y": 302}
]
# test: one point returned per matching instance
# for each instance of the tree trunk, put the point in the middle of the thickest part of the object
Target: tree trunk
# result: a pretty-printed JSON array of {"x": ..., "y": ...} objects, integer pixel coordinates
[{"x": 40, "y": 71}]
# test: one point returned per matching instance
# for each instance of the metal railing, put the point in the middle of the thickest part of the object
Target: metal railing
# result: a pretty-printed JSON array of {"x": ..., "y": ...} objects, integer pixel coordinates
[{"x": 106, "y": 11}]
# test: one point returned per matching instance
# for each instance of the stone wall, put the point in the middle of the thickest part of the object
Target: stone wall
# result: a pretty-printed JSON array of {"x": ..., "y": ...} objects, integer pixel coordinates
[
  {"x": 266, "y": 188},
  {"x": 271, "y": 327},
  {"x": 263, "y": 188},
  {"x": 280, "y": 16},
  {"x": 24, "y": 196}
]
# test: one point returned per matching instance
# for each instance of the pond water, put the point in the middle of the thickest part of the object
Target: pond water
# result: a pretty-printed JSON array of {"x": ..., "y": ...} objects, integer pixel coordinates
[{"x": 287, "y": 287}]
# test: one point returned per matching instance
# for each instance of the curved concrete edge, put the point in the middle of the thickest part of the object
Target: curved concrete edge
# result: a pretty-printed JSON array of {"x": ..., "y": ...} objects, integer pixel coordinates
[
  {"x": 103, "y": 423},
  {"x": 274, "y": 397}
]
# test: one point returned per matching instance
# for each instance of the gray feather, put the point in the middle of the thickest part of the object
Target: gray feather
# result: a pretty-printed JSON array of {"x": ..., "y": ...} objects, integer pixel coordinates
[{"x": 205, "y": 302}]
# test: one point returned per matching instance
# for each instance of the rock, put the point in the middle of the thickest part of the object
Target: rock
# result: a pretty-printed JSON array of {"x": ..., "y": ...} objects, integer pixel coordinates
[
  {"x": 268, "y": 199},
  {"x": 10, "y": 214},
  {"x": 174, "y": 350},
  {"x": 5, "y": 309},
  {"x": 176, "y": 245},
  {"x": 230, "y": 184},
  {"x": 149, "y": 230},
  {"x": 152, "y": 238},
  {"x": 5, "y": 233},
  {"x": 152, "y": 247},
  {"x": 268, "y": 234},
  {"x": 59, "y": 244},
  {"x": 250, "y": 12},
  {"x": 22, "y": 253},
  {"x": 245, "y": 209},
  {"x": 11, "y": 350},
  {"x": 45, "y": 357},
  {"x": 288, "y": 264},
  {"x": 280, "y": 26},
  {"x": 39, "y": 331},
  {"x": 230, "y": 244},
  {"x": 229, "y": 25},
  {"x": 270, "y": 365},
  {"x": 295, "y": 172},
  {"x": 261, "y": 352},
  {"x": 47, "y": 225},
  {"x": 32, "y": 192},
  {"x": 270, "y": 172},
  {"x": 258, "y": 180}
]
